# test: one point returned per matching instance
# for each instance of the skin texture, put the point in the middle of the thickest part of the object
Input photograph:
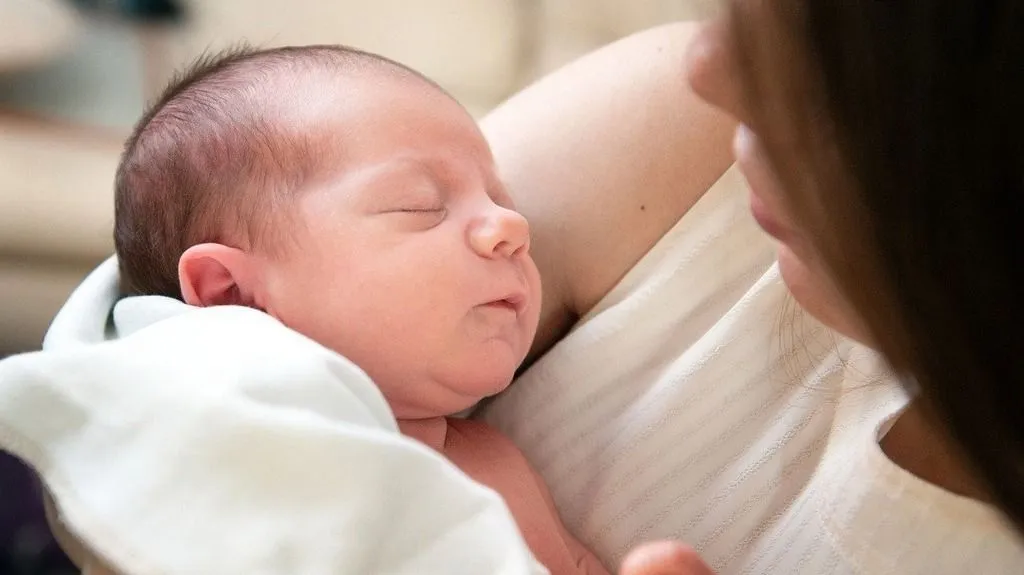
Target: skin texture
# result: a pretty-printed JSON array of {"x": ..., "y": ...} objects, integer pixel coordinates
[{"x": 408, "y": 257}]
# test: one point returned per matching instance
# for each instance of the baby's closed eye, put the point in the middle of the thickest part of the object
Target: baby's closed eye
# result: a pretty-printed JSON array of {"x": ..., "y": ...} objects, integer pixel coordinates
[
  {"x": 408, "y": 201},
  {"x": 421, "y": 212},
  {"x": 420, "y": 208},
  {"x": 417, "y": 198}
]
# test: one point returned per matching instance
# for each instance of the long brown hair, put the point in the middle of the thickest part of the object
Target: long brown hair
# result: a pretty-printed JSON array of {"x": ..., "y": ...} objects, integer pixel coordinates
[{"x": 904, "y": 157}]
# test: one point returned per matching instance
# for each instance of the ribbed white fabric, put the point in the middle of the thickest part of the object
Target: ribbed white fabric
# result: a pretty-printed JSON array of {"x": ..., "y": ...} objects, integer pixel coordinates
[{"x": 697, "y": 402}]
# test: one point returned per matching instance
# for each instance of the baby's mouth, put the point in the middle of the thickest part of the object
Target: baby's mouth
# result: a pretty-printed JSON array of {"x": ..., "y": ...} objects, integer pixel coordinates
[{"x": 514, "y": 303}]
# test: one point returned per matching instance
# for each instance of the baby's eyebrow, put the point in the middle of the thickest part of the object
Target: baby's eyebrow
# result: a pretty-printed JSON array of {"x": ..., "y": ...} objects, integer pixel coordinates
[
  {"x": 388, "y": 181},
  {"x": 366, "y": 176},
  {"x": 402, "y": 164}
]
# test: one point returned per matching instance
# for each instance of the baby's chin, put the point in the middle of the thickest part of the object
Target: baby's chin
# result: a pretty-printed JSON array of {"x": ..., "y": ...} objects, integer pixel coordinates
[
  {"x": 449, "y": 394},
  {"x": 475, "y": 390}
]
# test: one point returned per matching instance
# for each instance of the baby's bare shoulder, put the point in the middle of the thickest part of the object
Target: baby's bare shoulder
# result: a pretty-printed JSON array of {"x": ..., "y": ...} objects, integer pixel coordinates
[
  {"x": 476, "y": 431},
  {"x": 477, "y": 440}
]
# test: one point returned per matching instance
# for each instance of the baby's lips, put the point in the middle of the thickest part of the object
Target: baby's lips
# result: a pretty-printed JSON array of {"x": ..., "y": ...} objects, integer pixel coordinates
[{"x": 515, "y": 299}]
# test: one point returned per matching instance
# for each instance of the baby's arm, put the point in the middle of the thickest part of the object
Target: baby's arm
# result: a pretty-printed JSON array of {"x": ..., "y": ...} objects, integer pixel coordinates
[
  {"x": 585, "y": 559},
  {"x": 491, "y": 459},
  {"x": 658, "y": 558}
]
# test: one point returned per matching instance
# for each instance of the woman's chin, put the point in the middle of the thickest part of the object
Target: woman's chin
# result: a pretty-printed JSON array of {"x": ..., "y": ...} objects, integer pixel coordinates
[{"x": 815, "y": 293}]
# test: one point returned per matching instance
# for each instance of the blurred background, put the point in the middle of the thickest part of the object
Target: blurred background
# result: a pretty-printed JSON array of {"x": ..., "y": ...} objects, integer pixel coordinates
[{"x": 76, "y": 74}]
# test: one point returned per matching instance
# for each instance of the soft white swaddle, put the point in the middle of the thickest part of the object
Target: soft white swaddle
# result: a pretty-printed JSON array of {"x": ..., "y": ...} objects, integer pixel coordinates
[{"x": 217, "y": 441}]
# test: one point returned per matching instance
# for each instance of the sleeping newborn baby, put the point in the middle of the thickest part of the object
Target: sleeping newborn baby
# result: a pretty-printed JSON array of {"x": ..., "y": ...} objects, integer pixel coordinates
[{"x": 356, "y": 202}]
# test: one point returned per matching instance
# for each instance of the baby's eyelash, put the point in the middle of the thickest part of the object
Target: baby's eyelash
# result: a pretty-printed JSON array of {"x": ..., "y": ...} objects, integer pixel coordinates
[{"x": 421, "y": 210}]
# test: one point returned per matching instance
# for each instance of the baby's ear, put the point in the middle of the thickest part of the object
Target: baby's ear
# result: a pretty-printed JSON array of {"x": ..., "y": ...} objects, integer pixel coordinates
[{"x": 215, "y": 274}]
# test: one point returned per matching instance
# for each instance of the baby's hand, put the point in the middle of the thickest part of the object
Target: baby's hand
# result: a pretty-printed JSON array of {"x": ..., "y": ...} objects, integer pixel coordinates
[{"x": 664, "y": 558}]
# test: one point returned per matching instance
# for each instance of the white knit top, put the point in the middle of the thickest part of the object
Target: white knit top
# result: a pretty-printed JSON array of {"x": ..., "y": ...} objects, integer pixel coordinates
[{"x": 697, "y": 402}]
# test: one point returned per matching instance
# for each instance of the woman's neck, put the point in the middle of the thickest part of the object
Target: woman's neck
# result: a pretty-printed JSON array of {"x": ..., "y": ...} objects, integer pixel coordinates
[
  {"x": 918, "y": 445},
  {"x": 431, "y": 431}
]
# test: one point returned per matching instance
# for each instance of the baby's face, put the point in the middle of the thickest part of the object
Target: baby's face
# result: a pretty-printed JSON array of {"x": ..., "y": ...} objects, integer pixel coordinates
[{"x": 410, "y": 259}]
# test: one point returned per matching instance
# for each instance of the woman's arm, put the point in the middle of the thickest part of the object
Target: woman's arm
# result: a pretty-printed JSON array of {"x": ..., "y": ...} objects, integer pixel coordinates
[{"x": 603, "y": 157}]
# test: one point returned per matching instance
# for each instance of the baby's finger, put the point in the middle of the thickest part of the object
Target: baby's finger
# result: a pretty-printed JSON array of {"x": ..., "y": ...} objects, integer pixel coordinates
[{"x": 664, "y": 558}]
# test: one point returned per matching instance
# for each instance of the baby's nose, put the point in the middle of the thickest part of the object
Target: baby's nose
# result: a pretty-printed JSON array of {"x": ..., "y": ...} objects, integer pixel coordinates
[{"x": 501, "y": 233}]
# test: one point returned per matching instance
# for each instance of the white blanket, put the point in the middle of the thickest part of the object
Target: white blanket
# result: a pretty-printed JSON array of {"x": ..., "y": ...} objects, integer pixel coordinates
[{"x": 183, "y": 440}]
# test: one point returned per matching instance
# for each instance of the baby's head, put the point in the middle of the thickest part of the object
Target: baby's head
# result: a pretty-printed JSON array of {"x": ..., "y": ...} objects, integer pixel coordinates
[{"x": 345, "y": 195}]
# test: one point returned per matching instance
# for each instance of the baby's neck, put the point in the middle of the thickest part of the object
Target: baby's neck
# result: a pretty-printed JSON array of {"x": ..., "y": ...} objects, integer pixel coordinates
[{"x": 432, "y": 431}]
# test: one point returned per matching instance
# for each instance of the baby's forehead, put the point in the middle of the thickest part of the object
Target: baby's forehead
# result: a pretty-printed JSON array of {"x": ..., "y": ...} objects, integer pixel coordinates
[
  {"x": 328, "y": 125},
  {"x": 317, "y": 95},
  {"x": 377, "y": 112}
]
